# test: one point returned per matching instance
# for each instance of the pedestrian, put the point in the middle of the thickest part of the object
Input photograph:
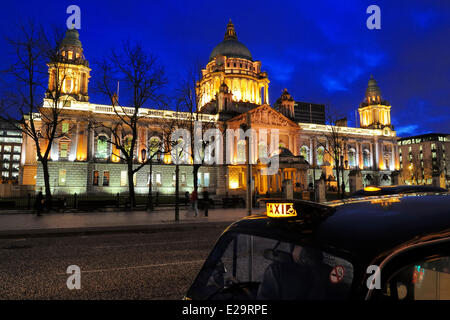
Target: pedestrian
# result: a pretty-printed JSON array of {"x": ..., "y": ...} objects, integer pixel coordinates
[
  {"x": 186, "y": 198},
  {"x": 206, "y": 201},
  {"x": 194, "y": 201},
  {"x": 39, "y": 203}
]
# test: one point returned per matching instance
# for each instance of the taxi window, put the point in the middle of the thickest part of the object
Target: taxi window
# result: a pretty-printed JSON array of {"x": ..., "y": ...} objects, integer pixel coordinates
[
  {"x": 253, "y": 267},
  {"x": 424, "y": 280}
]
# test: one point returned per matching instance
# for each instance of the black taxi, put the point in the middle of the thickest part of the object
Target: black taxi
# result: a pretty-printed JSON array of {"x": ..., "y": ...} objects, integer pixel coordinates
[{"x": 391, "y": 247}]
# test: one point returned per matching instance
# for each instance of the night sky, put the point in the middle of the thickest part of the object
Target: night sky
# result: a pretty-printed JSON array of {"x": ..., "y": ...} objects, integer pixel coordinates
[{"x": 321, "y": 51}]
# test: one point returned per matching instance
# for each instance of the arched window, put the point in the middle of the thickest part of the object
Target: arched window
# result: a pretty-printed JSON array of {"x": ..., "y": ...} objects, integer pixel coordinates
[
  {"x": 352, "y": 157},
  {"x": 102, "y": 147},
  {"x": 320, "y": 155},
  {"x": 241, "y": 151},
  {"x": 179, "y": 152},
  {"x": 127, "y": 144},
  {"x": 154, "y": 145},
  {"x": 304, "y": 152},
  {"x": 366, "y": 158},
  {"x": 262, "y": 150}
]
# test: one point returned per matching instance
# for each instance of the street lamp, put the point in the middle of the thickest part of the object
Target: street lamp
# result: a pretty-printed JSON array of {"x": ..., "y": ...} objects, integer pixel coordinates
[
  {"x": 150, "y": 162},
  {"x": 244, "y": 127}
]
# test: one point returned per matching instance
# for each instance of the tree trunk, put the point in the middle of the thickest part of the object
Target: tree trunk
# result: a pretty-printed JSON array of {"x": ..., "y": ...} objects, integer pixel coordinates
[
  {"x": 338, "y": 179},
  {"x": 131, "y": 184},
  {"x": 196, "y": 167},
  {"x": 177, "y": 187},
  {"x": 48, "y": 193},
  {"x": 150, "y": 187}
]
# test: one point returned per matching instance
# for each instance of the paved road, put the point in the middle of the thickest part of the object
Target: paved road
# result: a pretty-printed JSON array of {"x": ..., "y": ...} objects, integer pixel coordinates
[{"x": 159, "y": 265}]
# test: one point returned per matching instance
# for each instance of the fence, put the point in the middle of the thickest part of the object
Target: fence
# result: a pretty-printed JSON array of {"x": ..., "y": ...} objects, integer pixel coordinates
[
  {"x": 122, "y": 201},
  {"x": 86, "y": 201}
]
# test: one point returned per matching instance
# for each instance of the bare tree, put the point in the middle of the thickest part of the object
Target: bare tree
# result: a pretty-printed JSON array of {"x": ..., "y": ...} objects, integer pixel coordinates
[
  {"x": 335, "y": 147},
  {"x": 39, "y": 119},
  {"x": 141, "y": 78},
  {"x": 188, "y": 101}
]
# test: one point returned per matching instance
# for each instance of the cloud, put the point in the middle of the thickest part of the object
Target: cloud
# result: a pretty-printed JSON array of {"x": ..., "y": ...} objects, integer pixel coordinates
[
  {"x": 279, "y": 70},
  {"x": 408, "y": 130},
  {"x": 332, "y": 84}
]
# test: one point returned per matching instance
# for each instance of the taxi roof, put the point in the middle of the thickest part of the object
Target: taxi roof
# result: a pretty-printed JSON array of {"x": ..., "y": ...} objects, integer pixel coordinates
[{"x": 364, "y": 228}]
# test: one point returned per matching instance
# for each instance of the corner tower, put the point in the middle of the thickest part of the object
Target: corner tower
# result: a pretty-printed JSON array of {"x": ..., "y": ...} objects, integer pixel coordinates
[
  {"x": 69, "y": 71},
  {"x": 232, "y": 67},
  {"x": 374, "y": 112}
]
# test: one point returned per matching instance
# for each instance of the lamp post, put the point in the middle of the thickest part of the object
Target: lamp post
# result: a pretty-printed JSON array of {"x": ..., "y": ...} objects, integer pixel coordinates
[
  {"x": 245, "y": 127},
  {"x": 150, "y": 194}
]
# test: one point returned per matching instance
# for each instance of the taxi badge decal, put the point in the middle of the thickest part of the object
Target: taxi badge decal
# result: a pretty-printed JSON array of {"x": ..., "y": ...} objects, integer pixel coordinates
[{"x": 280, "y": 210}]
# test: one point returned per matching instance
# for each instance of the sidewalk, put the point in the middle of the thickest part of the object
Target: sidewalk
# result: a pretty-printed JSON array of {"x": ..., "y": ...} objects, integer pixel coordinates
[{"x": 97, "y": 222}]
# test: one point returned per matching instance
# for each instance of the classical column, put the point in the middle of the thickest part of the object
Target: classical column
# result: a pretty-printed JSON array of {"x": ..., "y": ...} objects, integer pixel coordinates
[
  {"x": 358, "y": 165},
  {"x": 74, "y": 146},
  {"x": 91, "y": 144},
  {"x": 290, "y": 144},
  {"x": 381, "y": 156},
  {"x": 393, "y": 156},
  {"x": 376, "y": 155}
]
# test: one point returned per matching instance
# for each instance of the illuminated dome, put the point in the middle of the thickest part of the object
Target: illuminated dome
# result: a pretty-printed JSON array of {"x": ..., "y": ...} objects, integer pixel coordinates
[
  {"x": 230, "y": 46},
  {"x": 72, "y": 38}
]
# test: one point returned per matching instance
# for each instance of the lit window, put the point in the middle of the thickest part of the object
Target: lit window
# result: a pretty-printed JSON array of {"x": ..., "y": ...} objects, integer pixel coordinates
[
  {"x": 5, "y": 174},
  {"x": 320, "y": 155},
  {"x": 7, "y": 149},
  {"x": 127, "y": 144},
  {"x": 95, "y": 178},
  {"x": 16, "y": 157},
  {"x": 62, "y": 177},
  {"x": 63, "y": 150},
  {"x": 102, "y": 147},
  {"x": 17, "y": 149},
  {"x": 6, "y": 157},
  {"x": 304, "y": 152},
  {"x": 123, "y": 178},
  {"x": 70, "y": 55},
  {"x": 206, "y": 179},
  {"x": 199, "y": 179},
  {"x": 158, "y": 179},
  {"x": 68, "y": 87},
  {"x": 105, "y": 178},
  {"x": 241, "y": 151},
  {"x": 154, "y": 146},
  {"x": 65, "y": 127}
]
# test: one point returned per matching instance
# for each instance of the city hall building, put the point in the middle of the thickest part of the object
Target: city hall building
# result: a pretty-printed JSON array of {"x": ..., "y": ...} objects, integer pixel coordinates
[{"x": 233, "y": 91}]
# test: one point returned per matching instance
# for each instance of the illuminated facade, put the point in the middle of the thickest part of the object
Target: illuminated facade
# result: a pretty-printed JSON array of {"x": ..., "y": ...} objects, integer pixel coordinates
[
  {"x": 232, "y": 81},
  {"x": 233, "y": 91},
  {"x": 370, "y": 149},
  {"x": 425, "y": 159},
  {"x": 374, "y": 112}
]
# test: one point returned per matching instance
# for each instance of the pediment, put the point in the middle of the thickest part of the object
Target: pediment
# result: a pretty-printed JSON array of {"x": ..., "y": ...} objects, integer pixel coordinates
[{"x": 264, "y": 115}]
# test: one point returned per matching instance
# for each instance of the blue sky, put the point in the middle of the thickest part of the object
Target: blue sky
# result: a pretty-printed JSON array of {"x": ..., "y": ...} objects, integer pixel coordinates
[{"x": 321, "y": 51}]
